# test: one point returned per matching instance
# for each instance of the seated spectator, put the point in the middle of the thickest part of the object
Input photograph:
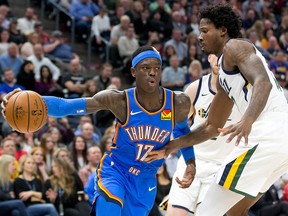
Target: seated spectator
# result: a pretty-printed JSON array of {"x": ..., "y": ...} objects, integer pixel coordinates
[
  {"x": 173, "y": 77},
  {"x": 64, "y": 154},
  {"x": 83, "y": 11},
  {"x": 4, "y": 22},
  {"x": 65, "y": 190},
  {"x": 8, "y": 205},
  {"x": 86, "y": 119},
  {"x": 79, "y": 152},
  {"x": 270, "y": 204},
  {"x": 28, "y": 47},
  {"x": 44, "y": 36},
  {"x": 11, "y": 59},
  {"x": 4, "y": 41},
  {"x": 38, "y": 155},
  {"x": 106, "y": 144},
  {"x": 120, "y": 29},
  {"x": 17, "y": 138},
  {"x": 103, "y": 80},
  {"x": 160, "y": 4},
  {"x": 26, "y": 76},
  {"x": 279, "y": 66},
  {"x": 88, "y": 134},
  {"x": 195, "y": 71},
  {"x": 73, "y": 80},
  {"x": 46, "y": 85},
  {"x": 101, "y": 26},
  {"x": 15, "y": 35},
  {"x": 169, "y": 51},
  {"x": 26, "y": 23},
  {"x": 8, "y": 84},
  {"x": 116, "y": 15},
  {"x": 48, "y": 147},
  {"x": 90, "y": 88},
  {"x": 29, "y": 189},
  {"x": 94, "y": 156},
  {"x": 39, "y": 60},
  {"x": 273, "y": 45},
  {"x": 142, "y": 26},
  {"x": 57, "y": 47}
]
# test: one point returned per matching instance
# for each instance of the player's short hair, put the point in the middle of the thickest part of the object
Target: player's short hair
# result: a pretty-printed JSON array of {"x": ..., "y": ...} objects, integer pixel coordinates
[{"x": 222, "y": 15}]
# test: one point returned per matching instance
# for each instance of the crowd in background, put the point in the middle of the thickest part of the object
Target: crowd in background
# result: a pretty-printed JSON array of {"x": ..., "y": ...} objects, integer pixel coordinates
[{"x": 52, "y": 170}]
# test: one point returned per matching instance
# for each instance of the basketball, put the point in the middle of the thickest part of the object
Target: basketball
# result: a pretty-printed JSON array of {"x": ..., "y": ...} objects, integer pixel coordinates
[{"x": 26, "y": 111}]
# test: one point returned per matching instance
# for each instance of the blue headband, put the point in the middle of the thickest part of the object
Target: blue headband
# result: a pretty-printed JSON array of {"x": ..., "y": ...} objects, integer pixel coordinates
[{"x": 146, "y": 54}]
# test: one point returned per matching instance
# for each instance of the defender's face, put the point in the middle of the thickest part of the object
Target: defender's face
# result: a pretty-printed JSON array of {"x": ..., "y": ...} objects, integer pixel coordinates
[
  {"x": 148, "y": 74},
  {"x": 210, "y": 37}
]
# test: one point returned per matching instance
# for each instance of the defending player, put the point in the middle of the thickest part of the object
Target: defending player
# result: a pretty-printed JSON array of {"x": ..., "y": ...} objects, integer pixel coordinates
[{"x": 246, "y": 81}]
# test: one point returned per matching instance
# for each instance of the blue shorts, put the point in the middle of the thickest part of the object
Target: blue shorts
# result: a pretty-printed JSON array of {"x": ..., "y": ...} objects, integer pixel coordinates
[{"x": 133, "y": 191}]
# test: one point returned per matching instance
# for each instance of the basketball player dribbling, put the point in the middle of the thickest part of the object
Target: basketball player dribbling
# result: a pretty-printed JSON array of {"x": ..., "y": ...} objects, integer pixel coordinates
[{"x": 146, "y": 117}]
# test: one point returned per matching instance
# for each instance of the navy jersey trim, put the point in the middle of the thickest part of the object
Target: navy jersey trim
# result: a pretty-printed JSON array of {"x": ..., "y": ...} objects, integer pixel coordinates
[
  {"x": 233, "y": 72},
  {"x": 209, "y": 84}
]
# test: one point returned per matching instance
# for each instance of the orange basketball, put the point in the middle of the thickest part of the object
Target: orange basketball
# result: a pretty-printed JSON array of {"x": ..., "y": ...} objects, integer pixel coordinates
[{"x": 26, "y": 111}]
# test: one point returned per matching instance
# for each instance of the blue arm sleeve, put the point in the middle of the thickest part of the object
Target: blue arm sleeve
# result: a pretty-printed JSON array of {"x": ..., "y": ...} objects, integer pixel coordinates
[
  {"x": 59, "y": 107},
  {"x": 182, "y": 128}
]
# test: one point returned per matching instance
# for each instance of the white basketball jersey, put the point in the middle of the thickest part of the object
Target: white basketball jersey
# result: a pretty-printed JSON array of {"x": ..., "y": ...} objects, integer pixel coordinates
[
  {"x": 215, "y": 149},
  {"x": 240, "y": 90}
]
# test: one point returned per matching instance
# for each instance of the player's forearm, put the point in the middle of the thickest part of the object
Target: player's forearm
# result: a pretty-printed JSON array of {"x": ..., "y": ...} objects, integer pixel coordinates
[
  {"x": 258, "y": 101},
  {"x": 197, "y": 136}
]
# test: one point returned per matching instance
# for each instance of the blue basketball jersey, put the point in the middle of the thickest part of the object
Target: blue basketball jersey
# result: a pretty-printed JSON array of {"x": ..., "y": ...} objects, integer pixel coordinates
[{"x": 142, "y": 132}]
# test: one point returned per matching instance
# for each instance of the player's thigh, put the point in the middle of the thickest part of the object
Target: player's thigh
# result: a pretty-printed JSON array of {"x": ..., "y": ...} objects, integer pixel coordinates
[
  {"x": 106, "y": 207},
  {"x": 172, "y": 211},
  {"x": 243, "y": 206}
]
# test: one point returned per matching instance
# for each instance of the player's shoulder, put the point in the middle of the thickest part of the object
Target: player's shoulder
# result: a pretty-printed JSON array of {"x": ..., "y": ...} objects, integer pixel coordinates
[
  {"x": 181, "y": 99},
  {"x": 238, "y": 45}
]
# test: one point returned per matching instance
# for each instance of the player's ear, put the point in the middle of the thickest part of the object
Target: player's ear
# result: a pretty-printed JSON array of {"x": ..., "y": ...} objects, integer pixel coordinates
[
  {"x": 133, "y": 71},
  {"x": 223, "y": 31}
]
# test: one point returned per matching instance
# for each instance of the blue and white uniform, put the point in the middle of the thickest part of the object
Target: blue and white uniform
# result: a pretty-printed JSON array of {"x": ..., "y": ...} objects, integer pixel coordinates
[
  {"x": 209, "y": 154},
  {"x": 254, "y": 168},
  {"x": 123, "y": 177}
]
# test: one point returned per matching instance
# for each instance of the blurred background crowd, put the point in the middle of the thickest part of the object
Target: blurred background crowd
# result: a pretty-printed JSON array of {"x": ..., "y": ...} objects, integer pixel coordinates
[{"x": 76, "y": 48}]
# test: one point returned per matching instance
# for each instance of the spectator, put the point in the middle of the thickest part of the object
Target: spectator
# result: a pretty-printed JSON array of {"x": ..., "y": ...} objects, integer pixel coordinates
[
  {"x": 44, "y": 36},
  {"x": 195, "y": 71},
  {"x": 79, "y": 152},
  {"x": 163, "y": 188},
  {"x": 273, "y": 45},
  {"x": 39, "y": 60},
  {"x": 4, "y": 23},
  {"x": 26, "y": 76},
  {"x": 64, "y": 154},
  {"x": 173, "y": 77},
  {"x": 87, "y": 133},
  {"x": 106, "y": 144},
  {"x": 38, "y": 155},
  {"x": 74, "y": 81},
  {"x": 279, "y": 67},
  {"x": 94, "y": 156},
  {"x": 28, "y": 47},
  {"x": 9, "y": 206},
  {"x": 26, "y": 23},
  {"x": 177, "y": 22},
  {"x": 57, "y": 48},
  {"x": 90, "y": 88},
  {"x": 127, "y": 44},
  {"x": 9, "y": 83},
  {"x": 120, "y": 29},
  {"x": 169, "y": 51},
  {"x": 48, "y": 147},
  {"x": 103, "y": 80},
  {"x": 180, "y": 47},
  {"x": 250, "y": 19},
  {"x": 4, "y": 41},
  {"x": 115, "y": 19},
  {"x": 142, "y": 26},
  {"x": 56, "y": 137},
  {"x": 83, "y": 11},
  {"x": 86, "y": 119},
  {"x": 101, "y": 26},
  {"x": 65, "y": 190},
  {"x": 29, "y": 189},
  {"x": 46, "y": 85},
  {"x": 15, "y": 35},
  {"x": 17, "y": 137},
  {"x": 11, "y": 59},
  {"x": 160, "y": 4}
]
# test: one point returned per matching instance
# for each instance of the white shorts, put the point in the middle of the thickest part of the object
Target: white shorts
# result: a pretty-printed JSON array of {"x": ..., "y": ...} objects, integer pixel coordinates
[
  {"x": 250, "y": 170},
  {"x": 189, "y": 198}
]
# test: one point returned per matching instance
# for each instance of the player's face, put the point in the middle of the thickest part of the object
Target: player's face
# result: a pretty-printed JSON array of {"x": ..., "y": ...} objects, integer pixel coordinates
[
  {"x": 148, "y": 74},
  {"x": 210, "y": 38}
]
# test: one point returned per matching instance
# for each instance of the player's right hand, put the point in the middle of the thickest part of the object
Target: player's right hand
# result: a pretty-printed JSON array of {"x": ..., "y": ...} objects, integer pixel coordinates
[{"x": 6, "y": 98}]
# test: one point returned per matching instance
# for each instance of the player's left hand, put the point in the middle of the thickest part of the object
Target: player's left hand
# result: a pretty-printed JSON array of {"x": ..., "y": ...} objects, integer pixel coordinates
[
  {"x": 188, "y": 176},
  {"x": 241, "y": 129}
]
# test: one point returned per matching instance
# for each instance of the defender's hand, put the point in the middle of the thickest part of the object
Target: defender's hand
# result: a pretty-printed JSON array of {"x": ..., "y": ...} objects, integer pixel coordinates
[
  {"x": 156, "y": 155},
  {"x": 6, "y": 98},
  {"x": 188, "y": 176}
]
